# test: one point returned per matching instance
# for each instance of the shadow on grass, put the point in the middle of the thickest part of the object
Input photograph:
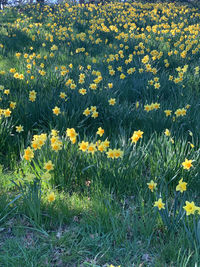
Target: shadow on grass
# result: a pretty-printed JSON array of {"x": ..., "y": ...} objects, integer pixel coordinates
[{"x": 14, "y": 40}]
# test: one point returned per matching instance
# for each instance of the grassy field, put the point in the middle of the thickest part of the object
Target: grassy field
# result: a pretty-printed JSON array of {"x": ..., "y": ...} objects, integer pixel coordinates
[{"x": 99, "y": 135}]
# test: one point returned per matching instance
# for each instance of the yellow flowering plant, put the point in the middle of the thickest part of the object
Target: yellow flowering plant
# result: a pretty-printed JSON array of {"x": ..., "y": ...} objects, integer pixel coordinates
[
  {"x": 131, "y": 68},
  {"x": 178, "y": 213}
]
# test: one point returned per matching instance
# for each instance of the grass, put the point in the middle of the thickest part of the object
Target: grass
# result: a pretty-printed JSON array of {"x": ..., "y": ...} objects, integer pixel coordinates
[
  {"x": 96, "y": 236},
  {"x": 97, "y": 209},
  {"x": 93, "y": 230}
]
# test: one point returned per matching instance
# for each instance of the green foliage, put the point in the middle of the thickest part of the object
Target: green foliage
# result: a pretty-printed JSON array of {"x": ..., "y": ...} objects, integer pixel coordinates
[{"x": 93, "y": 208}]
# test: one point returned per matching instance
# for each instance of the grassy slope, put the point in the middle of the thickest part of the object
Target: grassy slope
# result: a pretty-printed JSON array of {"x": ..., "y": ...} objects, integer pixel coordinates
[{"x": 100, "y": 226}]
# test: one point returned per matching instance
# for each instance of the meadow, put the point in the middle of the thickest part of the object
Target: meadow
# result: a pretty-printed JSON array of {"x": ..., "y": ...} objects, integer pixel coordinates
[{"x": 99, "y": 135}]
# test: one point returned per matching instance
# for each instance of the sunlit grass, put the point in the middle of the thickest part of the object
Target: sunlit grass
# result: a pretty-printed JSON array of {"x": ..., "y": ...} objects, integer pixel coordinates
[{"x": 99, "y": 135}]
